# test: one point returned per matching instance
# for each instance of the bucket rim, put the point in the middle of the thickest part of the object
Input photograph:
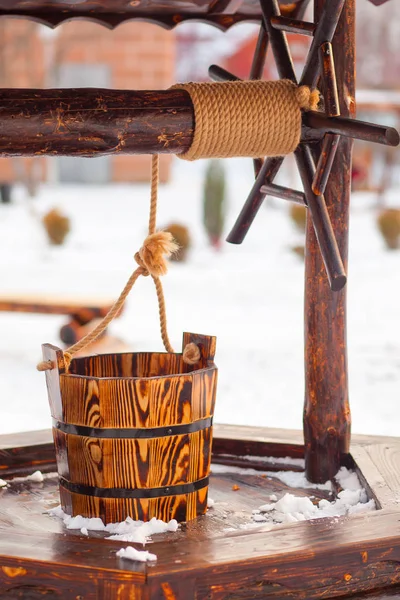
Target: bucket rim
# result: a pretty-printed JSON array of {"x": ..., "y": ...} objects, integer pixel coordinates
[{"x": 212, "y": 367}]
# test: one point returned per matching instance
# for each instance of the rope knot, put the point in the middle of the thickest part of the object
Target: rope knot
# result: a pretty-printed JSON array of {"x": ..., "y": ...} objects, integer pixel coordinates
[
  {"x": 152, "y": 255},
  {"x": 191, "y": 354},
  {"x": 308, "y": 99}
]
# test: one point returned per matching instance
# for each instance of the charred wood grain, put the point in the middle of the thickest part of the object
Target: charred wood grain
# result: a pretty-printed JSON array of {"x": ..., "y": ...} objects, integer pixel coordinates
[
  {"x": 158, "y": 469},
  {"x": 94, "y": 122}
]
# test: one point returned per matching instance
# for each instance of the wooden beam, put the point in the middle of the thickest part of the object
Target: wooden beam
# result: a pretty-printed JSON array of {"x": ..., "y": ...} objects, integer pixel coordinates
[
  {"x": 326, "y": 411},
  {"x": 224, "y": 7},
  {"x": 94, "y": 122}
]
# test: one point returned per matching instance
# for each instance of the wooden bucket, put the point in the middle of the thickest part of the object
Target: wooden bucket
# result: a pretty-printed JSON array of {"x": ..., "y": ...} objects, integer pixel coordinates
[{"x": 133, "y": 432}]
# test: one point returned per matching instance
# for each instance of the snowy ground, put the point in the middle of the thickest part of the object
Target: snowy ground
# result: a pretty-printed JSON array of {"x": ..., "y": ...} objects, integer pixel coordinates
[{"x": 250, "y": 296}]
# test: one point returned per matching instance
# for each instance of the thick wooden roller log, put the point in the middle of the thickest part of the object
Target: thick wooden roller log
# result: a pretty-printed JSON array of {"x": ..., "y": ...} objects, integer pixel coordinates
[
  {"x": 94, "y": 122},
  {"x": 133, "y": 432}
]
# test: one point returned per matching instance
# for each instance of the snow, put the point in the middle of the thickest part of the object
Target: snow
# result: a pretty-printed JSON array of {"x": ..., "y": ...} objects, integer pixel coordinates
[
  {"x": 78, "y": 522},
  {"x": 250, "y": 296},
  {"x": 131, "y": 553},
  {"x": 291, "y": 508},
  {"x": 3, "y": 483},
  {"x": 36, "y": 477},
  {"x": 139, "y": 532},
  {"x": 210, "y": 502},
  {"x": 347, "y": 479},
  {"x": 126, "y": 531},
  {"x": 296, "y": 479},
  {"x": 258, "y": 518},
  {"x": 287, "y": 460}
]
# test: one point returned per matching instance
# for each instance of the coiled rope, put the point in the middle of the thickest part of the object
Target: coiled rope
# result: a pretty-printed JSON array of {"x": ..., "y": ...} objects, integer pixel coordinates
[{"x": 247, "y": 118}]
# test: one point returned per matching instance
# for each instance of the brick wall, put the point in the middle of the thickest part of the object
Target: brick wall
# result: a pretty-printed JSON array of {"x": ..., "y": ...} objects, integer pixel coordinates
[{"x": 136, "y": 55}]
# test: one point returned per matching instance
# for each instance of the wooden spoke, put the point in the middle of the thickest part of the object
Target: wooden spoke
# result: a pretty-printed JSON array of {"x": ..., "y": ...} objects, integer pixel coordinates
[
  {"x": 256, "y": 71},
  {"x": 293, "y": 25},
  {"x": 217, "y": 73},
  {"x": 325, "y": 162},
  {"x": 327, "y": 64},
  {"x": 321, "y": 221},
  {"x": 323, "y": 33},
  {"x": 271, "y": 189},
  {"x": 331, "y": 98},
  {"x": 260, "y": 54},
  {"x": 278, "y": 41},
  {"x": 352, "y": 128},
  {"x": 254, "y": 201}
]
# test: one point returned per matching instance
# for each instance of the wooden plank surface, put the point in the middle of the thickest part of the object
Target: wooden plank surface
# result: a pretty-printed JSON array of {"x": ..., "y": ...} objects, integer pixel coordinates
[
  {"x": 214, "y": 554},
  {"x": 221, "y": 430},
  {"x": 218, "y": 555},
  {"x": 60, "y": 305}
]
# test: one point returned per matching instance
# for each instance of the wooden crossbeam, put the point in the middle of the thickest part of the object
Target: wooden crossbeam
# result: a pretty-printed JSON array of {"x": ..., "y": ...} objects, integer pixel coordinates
[{"x": 272, "y": 189}]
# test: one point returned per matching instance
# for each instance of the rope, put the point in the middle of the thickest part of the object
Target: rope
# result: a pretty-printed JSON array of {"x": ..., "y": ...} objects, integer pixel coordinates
[
  {"x": 247, "y": 118},
  {"x": 151, "y": 259}
]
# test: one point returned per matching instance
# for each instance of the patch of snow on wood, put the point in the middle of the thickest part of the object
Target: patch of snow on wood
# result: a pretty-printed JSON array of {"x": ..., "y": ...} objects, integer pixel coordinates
[
  {"x": 3, "y": 483},
  {"x": 131, "y": 553},
  {"x": 291, "y": 508},
  {"x": 295, "y": 479},
  {"x": 36, "y": 477},
  {"x": 126, "y": 531},
  {"x": 287, "y": 460}
]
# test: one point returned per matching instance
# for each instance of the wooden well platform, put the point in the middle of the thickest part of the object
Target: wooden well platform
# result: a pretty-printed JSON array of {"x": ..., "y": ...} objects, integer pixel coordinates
[{"x": 220, "y": 556}]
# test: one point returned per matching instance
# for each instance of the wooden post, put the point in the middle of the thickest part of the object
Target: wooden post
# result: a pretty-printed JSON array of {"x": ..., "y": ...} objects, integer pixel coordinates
[{"x": 326, "y": 410}]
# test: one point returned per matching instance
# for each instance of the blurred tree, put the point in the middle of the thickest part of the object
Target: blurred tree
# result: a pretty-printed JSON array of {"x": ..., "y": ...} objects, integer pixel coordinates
[
  {"x": 181, "y": 235},
  {"x": 389, "y": 226},
  {"x": 57, "y": 226},
  {"x": 214, "y": 205}
]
